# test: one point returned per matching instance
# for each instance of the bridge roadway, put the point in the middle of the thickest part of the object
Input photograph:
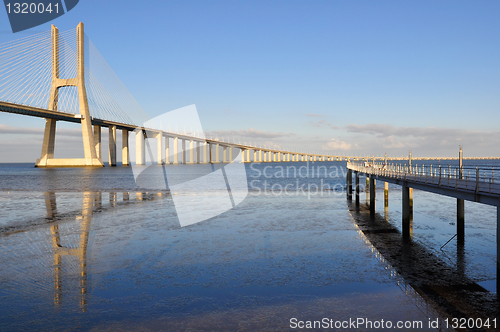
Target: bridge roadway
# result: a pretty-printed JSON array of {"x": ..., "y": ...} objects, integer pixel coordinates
[{"x": 270, "y": 155}]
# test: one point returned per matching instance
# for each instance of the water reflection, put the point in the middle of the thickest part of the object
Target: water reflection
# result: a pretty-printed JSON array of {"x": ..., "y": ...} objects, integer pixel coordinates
[
  {"x": 420, "y": 272},
  {"x": 50, "y": 260},
  {"x": 80, "y": 252}
]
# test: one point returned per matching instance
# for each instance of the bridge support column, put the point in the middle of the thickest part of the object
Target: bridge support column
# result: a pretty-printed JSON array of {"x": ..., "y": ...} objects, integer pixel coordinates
[
  {"x": 140, "y": 152},
  {"x": 176, "y": 151},
  {"x": 248, "y": 156},
  {"x": 386, "y": 194},
  {"x": 255, "y": 152},
  {"x": 407, "y": 214},
  {"x": 90, "y": 157},
  {"x": 198, "y": 152},
  {"x": 191, "y": 152},
  {"x": 112, "y": 146},
  {"x": 242, "y": 155},
  {"x": 460, "y": 221},
  {"x": 125, "y": 151},
  {"x": 349, "y": 184},
  {"x": 167, "y": 150},
  {"x": 217, "y": 161},
  {"x": 372, "y": 195},
  {"x": 49, "y": 137},
  {"x": 97, "y": 141},
  {"x": 159, "y": 147},
  {"x": 224, "y": 154},
  {"x": 205, "y": 152},
  {"x": 260, "y": 156},
  {"x": 183, "y": 152},
  {"x": 230, "y": 154}
]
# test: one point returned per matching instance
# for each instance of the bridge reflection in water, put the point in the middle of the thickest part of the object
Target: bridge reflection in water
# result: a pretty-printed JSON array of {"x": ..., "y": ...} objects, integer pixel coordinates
[
  {"x": 435, "y": 284},
  {"x": 38, "y": 256}
]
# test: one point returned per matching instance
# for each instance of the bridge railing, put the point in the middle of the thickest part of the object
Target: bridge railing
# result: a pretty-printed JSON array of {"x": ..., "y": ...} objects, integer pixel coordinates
[{"x": 478, "y": 179}]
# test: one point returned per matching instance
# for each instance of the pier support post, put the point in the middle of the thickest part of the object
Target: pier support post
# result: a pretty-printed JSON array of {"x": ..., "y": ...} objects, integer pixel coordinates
[
  {"x": 411, "y": 201},
  {"x": 176, "y": 151},
  {"x": 357, "y": 188},
  {"x": 498, "y": 251},
  {"x": 230, "y": 154},
  {"x": 460, "y": 221},
  {"x": 372, "y": 195},
  {"x": 125, "y": 151},
  {"x": 349, "y": 184},
  {"x": 460, "y": 203},
  {"x": 248, "y": 156},
  {"x": 407, "y": 215},
  {"x": 386, "y": 194}
]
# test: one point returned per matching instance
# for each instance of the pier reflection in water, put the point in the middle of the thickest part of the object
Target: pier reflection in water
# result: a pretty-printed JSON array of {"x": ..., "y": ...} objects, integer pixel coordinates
[{"x": 435, "y": 283}]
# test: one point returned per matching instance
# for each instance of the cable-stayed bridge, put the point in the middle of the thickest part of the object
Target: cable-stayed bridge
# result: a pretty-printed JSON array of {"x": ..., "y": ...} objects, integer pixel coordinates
[{"x": 63, "y": 77}]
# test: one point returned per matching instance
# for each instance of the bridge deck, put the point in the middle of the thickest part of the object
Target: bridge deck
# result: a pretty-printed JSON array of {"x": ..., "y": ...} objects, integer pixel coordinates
[{"x": 487, "y": 192}]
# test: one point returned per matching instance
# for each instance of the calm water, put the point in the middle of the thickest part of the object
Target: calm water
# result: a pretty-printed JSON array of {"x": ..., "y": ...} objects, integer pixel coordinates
[{"x": 88, "y": 249}]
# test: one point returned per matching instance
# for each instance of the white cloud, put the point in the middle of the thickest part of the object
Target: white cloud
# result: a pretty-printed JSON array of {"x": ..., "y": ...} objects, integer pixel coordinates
[{"x": 335, "y": 144}]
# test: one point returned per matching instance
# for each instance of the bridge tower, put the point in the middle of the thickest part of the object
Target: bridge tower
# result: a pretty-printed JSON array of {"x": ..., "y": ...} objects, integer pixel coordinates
[{"x": 47, "y": 158}]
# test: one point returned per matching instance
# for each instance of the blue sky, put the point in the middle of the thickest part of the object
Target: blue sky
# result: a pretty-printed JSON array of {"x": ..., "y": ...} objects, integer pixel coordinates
[{"x": 342, "y": 77}]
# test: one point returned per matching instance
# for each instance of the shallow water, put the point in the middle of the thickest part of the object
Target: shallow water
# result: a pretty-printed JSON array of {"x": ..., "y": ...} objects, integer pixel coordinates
[{"x": 89, "y": 250}]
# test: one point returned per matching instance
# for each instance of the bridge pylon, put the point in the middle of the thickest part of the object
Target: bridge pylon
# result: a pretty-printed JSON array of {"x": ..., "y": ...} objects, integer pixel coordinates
[{"x": 47, "y": 158}]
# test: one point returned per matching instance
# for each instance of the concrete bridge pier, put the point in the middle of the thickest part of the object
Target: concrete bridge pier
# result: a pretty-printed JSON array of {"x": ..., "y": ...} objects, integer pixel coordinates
[
  {"x": 140, "y": 151},
  {"x": 112, "y": 145},
  {"x": 97, "y": 141},
  {"x": 159, "y": 147},
  {"x": 183, "y": 150},
  {"x": 248, "y": 156},
  {"x": 125, "y": 150},
  {"x": 198, "y": 152},
  {"x": 167, "y": 150},
  {"x": 191, "y": 152},
  {"x": 231, "y": 154},
  {"x": 205, "y": 153},
  {"x": 176, "y": 151}
]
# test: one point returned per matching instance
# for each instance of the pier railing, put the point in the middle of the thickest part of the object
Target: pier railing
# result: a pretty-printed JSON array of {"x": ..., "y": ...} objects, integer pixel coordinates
[{"x": 477, "y": 179}]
